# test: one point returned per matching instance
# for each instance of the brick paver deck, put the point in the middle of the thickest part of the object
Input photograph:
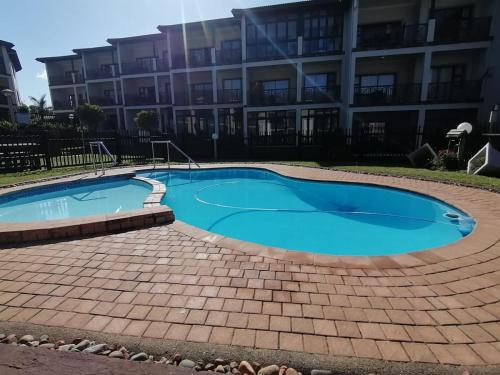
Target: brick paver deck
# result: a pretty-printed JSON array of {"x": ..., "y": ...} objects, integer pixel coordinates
[{"x": 440, "y": 306}]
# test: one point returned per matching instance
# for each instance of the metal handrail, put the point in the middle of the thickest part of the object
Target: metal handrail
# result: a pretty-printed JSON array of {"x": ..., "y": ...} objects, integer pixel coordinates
[
  {"x": 100, "y": 146},
  {"x": 168, "y": 143}
]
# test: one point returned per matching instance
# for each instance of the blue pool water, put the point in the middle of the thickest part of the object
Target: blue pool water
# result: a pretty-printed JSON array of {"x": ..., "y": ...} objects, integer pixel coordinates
[
  {"x": 328, "y": 218},
  {"x": 74, "y": 200}
]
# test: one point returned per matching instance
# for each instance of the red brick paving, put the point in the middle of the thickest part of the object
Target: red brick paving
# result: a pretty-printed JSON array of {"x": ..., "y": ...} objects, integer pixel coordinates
[{"x": 163, "y": 282}]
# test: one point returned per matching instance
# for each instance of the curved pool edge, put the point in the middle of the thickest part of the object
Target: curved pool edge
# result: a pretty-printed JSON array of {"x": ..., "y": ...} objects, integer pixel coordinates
[
  {"x": 481, "y": 238},
  {"x": 152, "y": 213}
]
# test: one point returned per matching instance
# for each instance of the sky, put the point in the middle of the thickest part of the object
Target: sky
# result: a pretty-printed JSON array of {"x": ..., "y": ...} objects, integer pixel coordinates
[{"x": 41, "y": 28}]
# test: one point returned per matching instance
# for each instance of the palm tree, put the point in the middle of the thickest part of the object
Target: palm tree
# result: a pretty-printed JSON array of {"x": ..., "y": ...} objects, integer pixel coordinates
[{"x": 40, "y": 105}]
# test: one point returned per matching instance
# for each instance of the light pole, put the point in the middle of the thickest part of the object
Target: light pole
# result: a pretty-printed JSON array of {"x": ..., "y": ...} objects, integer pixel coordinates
[{"x": 8, "y": 93}]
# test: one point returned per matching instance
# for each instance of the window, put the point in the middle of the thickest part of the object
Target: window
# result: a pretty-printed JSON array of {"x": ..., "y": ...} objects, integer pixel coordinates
[
  {"x": 109, "y": 93},
  {"x": 199, "y": 56},
  {"x": 270, "y": 86},
  {"x": 322, "y": 32},
  {"x": 145, "y": 62},
  {"x": 230, "y": 122},
  {"x": 234, "y": 44},
  {"x": 231, "y": 90},
  {"x": 319, "y": 87},
  {"x": 318, "y": 122},
  {"x": 196, "y": 123},
  {"x": 448, "y": 74},
  {"x": 147, "y": 92},
  {"x": 201, "y": 93},
  {"x": 375, "y": 80},
  {"x": 271, "y": 123},
  {"x": 232, "y": 84},
  {"x": 274, "y": 37}
]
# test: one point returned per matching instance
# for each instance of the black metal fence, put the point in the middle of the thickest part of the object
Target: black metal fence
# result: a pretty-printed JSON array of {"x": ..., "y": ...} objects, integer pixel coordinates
[{"x": 45, "y": 150}]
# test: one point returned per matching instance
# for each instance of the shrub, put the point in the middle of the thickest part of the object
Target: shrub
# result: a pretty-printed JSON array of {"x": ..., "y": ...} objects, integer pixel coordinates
[
  {"x": 446, "y": 160},
  {"x": 90, "y": 116},
  {"x": 147, "y": 120}
]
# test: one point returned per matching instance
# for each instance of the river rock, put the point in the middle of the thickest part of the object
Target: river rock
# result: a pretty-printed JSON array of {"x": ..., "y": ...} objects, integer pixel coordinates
[
  {"x": 209, "y": 366},
  {"x": 2, "y": 336},
  {"x": 283, "y": 370},
  {"x": 10, "y": 339},
  {"x": 139, "y": 357},
  {"x": 177, "y": 359},
  {"x": 44, "y": 339},
  {"x": 292, "y": 371},
  {"x": 245, "y": 368},
  {"x": 220, "y": 361},
  {"x": 235, "y": 371},
  {"x": 47, "y": 345},
  {"x": 26, "y": 339},
  {"x": 187, "y": 363},
  {"x": 117, "y": 354},
  {"x": 220, "y": 369},
  {"x": 65, "y": 348},
  {"x": 84, "y": 344},
  {"x": 269, "y": 370},
  {"x": 34, "y": 343},
  {"x": 233, "y": 364},
  {"x": 96, "y": 349},
  {"x": 321, "y": 372}
]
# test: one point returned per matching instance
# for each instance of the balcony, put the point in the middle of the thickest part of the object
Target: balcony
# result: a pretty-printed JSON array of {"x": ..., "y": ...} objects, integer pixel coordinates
[
  {"x": 453, "y": 31},
  {"x": 229, "y": 96},
  {"x": 387, "y": 95},
  {"x": 273, "y": 97},
  {"x": 107, "y": 71},
  {"x": 450, "y": 92},
  {"x": 3, "y": 98},
  {"x": 271, "y": 51},
  {"x": 67, "y": 79},
  {"x": 195, "y": 97},
  {"x": 165, "y": 98},
  {"x": 60, "y": 105},
  {"x": 391, "y": 35},
  {"x": 145, "y": 66},
  {"x": 137, "y": 100},
  {"x": 228, "y": 56},
  {"x": 321, "y": 94},
  {"x": 105, "y": 101},
  {"x": 197, "y": 57},
  {"x": 321, "y": 46}
]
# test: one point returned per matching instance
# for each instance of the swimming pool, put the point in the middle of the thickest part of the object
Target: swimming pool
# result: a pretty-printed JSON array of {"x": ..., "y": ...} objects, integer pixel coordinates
[
  {"x": 320, "y": 217},
  {"x": 73, "y": 200}
]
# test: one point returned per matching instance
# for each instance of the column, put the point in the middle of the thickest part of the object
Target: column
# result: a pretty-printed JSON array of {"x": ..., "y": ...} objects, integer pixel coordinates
[
  {"x": 159, "y": 119},
  {"x": 420, "y": 127},
  {"x": 245, "y": 124},
  {"x": 426, "y": 75},
  {"x": 119, "y": 56},
  {"x": 84, "y": 66},
  {"x": 115, "y": 92},
  {"x": 300, "y": 81},
  {"x": 169, "y": 51},
  {"x": 174, "y": 121},
  {"x": 243, "y": 39},
  {"x": 172, "y": 92},
  {"x": 76, "y": 96},
  {"x": 244, "y": 86},
  {"x": 299, "y": 45},
  {"x": 157, "y": 91},
  {"x": 118, "y": 118},
  {"x": 214, "y": 86},
  {"x": 431, "y": 28}
]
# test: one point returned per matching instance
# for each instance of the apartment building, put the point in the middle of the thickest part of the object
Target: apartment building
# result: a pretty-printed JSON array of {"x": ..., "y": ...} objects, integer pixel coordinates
[
  {"x": 9, "y": 66},
  {"x": 307, "y": 68}
]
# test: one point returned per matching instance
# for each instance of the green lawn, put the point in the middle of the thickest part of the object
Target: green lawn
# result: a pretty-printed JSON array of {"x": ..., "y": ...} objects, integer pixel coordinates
[
  {"x": 15, "y": 178},
  {"x": 458, "y": 177}
]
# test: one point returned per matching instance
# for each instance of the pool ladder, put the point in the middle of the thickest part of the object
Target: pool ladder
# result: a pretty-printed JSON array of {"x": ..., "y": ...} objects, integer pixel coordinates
[
  {"x": 100, "y": 148},
  {"x": 170, "y": 143}
]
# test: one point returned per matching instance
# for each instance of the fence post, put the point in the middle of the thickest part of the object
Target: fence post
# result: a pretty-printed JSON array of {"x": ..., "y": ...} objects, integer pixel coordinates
[
  {"x": 45, "y": 139},
  {"x": 299, "y": 145},
  {"x": 118, "y": 148}
]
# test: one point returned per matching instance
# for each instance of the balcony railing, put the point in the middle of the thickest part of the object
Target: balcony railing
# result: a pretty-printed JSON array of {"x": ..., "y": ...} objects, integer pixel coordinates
[
  {"x": 227, "y": 96},
  {"x": 134, "y": 100},
  {"x": 321, "y": 46},
  {"x": 57, "y": 80},
  {"x": 321, "y": 94},
  {"x": 271, "y": 51},
  {"x": 145, "y": 66},
  {"x": 194, "y": 97},
  {"x": 228, "y": 56},
  {"x": 387, "y": 95},
  {"x": 273, "y": 97},
  {"x": 63, "y": 104},
  {"x": 391, "y": 36},
  {"x": 197, "y": 57},
  {"x": 452, "y": 31},
  {"x": 468, "y": 91},
  {"x": 110, "y": 72},
  {"x": 105, "y": 100}
]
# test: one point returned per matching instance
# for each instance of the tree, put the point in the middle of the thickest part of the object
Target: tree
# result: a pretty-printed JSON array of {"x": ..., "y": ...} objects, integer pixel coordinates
[
  {"x": 90, "y": 116},
  {"x": 147, "y": 120},
  {"x": 40, "y": 106}
]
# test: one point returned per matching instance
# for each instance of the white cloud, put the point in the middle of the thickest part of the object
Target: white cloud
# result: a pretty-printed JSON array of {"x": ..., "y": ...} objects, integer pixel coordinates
[{"x": 42, "y": 75}]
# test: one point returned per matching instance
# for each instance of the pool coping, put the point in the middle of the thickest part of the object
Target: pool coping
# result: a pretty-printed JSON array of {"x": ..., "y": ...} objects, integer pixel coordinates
[
  {"x": 481, "y": 238},
  {"x": 152, "y": 213}
]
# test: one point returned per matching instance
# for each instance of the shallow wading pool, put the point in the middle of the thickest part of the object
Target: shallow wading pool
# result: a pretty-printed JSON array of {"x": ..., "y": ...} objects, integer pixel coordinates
[
  {"x": 73, "y": 200},
  {"x": 318, "y": 217}
]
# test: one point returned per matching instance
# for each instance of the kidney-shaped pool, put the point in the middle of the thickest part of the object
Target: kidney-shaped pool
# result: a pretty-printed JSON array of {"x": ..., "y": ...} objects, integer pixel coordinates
[{"x": 318, "y": 217}]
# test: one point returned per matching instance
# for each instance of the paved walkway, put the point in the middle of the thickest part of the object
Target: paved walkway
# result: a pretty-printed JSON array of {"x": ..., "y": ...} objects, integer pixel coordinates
[{"x": 165, "y": 282}]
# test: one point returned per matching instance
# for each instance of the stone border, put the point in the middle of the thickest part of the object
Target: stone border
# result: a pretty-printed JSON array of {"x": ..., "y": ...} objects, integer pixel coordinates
[
  {"x": 484, "y": 235},
  {"x": 152, "y": 213}
]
